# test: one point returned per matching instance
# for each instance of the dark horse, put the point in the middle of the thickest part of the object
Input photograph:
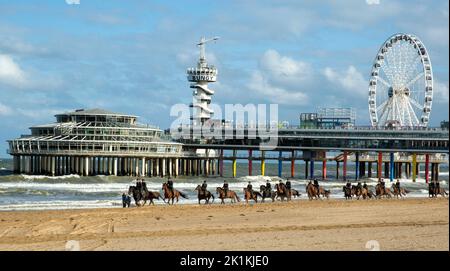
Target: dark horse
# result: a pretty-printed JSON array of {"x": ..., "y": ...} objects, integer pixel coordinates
[
  {"x": 148, "y": 195},
  {"x": 206, "y": 195},
  {"x": 347, "y": 192},
  {"x": 171, "y": 195},
  {"x": 267, "y": 193}
]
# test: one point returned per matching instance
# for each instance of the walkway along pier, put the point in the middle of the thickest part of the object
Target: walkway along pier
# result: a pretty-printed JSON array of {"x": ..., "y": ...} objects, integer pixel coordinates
[{"x": 98, "y": 142}]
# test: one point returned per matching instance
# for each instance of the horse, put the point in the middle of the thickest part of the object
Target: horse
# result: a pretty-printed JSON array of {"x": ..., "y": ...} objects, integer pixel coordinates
[
  {"x": 171, "y": 195},
  {"x": 267, "y": 193},
  {"x": 366, "y": 193},
  {"x": 400, "y": 193},
  {"x": 312, "y": 192},
  {"x": 248, "y": 195},
  {"x": 433, "y": 191},
  {"x": 148, "y": 195},
  {"x": 347, "y": 192},
  {"x": 282, "y": 192},
  {"x": 230, "y": 195},
  {"x": 382, "y": 192},
  {"x": 324, "y": 192},
  {"x": 206, "y": 195},
  {"x": 295, "y": 193}
]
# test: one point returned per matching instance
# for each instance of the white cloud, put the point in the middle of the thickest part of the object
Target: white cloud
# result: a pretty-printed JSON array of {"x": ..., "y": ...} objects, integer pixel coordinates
[
  {"x": 5, "y": 110},
  {"x": 279, "y": 78},
  {"x": 350, "y": 80},
  {"x": 275, "y": 94},
  {"x": 10, "y": 72},
  {"x": 441, "y": 92},
  {"x": 283, "y": 67}
]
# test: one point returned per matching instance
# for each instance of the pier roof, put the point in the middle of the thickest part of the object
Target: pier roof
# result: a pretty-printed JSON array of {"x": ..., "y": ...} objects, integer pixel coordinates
[{"x": 95, "y": 111}]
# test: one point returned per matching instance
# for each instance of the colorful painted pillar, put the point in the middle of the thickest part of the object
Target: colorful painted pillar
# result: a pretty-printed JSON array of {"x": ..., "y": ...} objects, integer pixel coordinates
[
  {"x": 427, "y": 167},
  {"x": 391, "y": 166},
  {"x": 263, "y": 163},
  {"x": 221, "y": 163},
  {"x": 379, "y": 165},
  {"x": 324, "y": 168},
  {"x": 250, "y": 162},
  {"x": 356, "y": 165},
  {"x": 280, "y": 164},
  {"x": 312, "y": 168},
  {"x": 345, "y": 166},
  {"x": 292, "y": 164},
  {"x": 234, "y": 164}
]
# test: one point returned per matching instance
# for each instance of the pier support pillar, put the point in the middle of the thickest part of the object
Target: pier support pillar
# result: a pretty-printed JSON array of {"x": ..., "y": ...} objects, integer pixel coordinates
[
  {"x": 306, "y": 169},
  {"x": 391, "y": 163},
  {"x": 250, "y": 162},
  {"x": 263, "y": 163},
  {"x": 221, "y": 163},
  {"x": 115, "y": 170},
  {"x": 345, "y": 166},
  {"x": 379, "y": 164},
  {"x": 357, "y": 166},
  {"x": 369, "y": 170},
  {"x": 427, "y": 165},
  {"x": 312, "y": 168},
  {"x": 86, "y": 166},
  {"x": 234, "y": 164},
  {"x": 280, "y": 164},
  {"x": 324, "y": 169},
  {"x": 292, "y": 164},
  {"x": 337, "y": 170}
]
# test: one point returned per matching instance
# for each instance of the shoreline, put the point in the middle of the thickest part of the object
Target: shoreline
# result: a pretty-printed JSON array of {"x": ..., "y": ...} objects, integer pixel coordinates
[{"x": 335, "y": 224}]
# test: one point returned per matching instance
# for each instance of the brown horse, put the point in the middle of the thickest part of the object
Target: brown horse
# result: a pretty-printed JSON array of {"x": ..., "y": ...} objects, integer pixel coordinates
[
  {"x": 324, "y": 192},
  {"x": 229, "y": 195},
  {"x": 433, "y": 191},
  {"x": 312, "y": 192},
  {"x": 380, "y": 192},
  {"x": 366, "y": 193},
  {"x": 148, "y": 195},
  {"x": 205, "y": 195},
  {"x": 398, "y": 193},
  {"x": 282, "y": 192},
  {"x": 248, "y": 195},
  {"x": 295, "y": 193},
  {"x": 171, "y": 195}
]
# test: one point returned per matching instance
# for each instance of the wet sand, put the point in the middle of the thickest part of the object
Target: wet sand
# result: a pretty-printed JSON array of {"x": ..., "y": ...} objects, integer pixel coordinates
[{"x": 409, "y": 224}]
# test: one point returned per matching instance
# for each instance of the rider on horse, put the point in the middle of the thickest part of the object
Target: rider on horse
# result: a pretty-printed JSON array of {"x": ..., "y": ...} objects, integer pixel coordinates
[
  {"x": 204, "y": 185},
  {"x": 268, "y": 187},
  {"x": 316, "y": 185},
  {"x": 250, "y": 188},
  {"x": 382, "y": 185},
  {"x": 170, "y": 184},
  {"x": 225, "y": 187},
  {"x": 359, "y": 186},
  {"x": 397, "y": 184},
  {"x": 288, "y": 187}
]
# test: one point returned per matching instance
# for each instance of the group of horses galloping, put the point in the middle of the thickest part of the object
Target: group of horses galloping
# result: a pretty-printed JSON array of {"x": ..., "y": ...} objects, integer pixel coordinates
[{"x": 313, "y": 191}]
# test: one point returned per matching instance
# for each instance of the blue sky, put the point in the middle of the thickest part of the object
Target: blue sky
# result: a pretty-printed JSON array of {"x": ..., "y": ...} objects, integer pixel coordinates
[{"x": 131, "y": 56}]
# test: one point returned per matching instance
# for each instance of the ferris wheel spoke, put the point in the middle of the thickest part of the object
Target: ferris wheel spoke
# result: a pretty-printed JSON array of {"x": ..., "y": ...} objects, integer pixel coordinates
[
  {"x": 411, "y": 82},
  {"x": 384, "y": 82},
  {"x": 416, "y": 104},
  {"x": 382, "y": 105},
  {"x": 410, "y": 109}
]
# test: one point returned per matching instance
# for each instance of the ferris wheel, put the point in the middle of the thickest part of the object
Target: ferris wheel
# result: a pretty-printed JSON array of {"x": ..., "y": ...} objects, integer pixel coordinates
[{"x": 401, "y": 84}]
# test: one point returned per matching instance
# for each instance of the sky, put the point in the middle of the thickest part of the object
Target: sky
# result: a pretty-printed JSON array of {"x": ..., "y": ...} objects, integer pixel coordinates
[{"x": 131, "y": 56}]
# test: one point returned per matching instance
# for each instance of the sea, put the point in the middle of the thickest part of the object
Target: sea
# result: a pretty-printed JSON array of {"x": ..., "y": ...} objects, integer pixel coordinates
[{"x": 34, "y": 192}]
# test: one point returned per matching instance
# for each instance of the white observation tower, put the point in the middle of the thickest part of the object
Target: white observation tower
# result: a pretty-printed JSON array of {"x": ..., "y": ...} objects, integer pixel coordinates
[{"x": 199, "y": 77}]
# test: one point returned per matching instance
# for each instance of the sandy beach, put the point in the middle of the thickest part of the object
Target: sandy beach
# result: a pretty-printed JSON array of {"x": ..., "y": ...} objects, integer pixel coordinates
[{"x": 409, "y": 224}]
